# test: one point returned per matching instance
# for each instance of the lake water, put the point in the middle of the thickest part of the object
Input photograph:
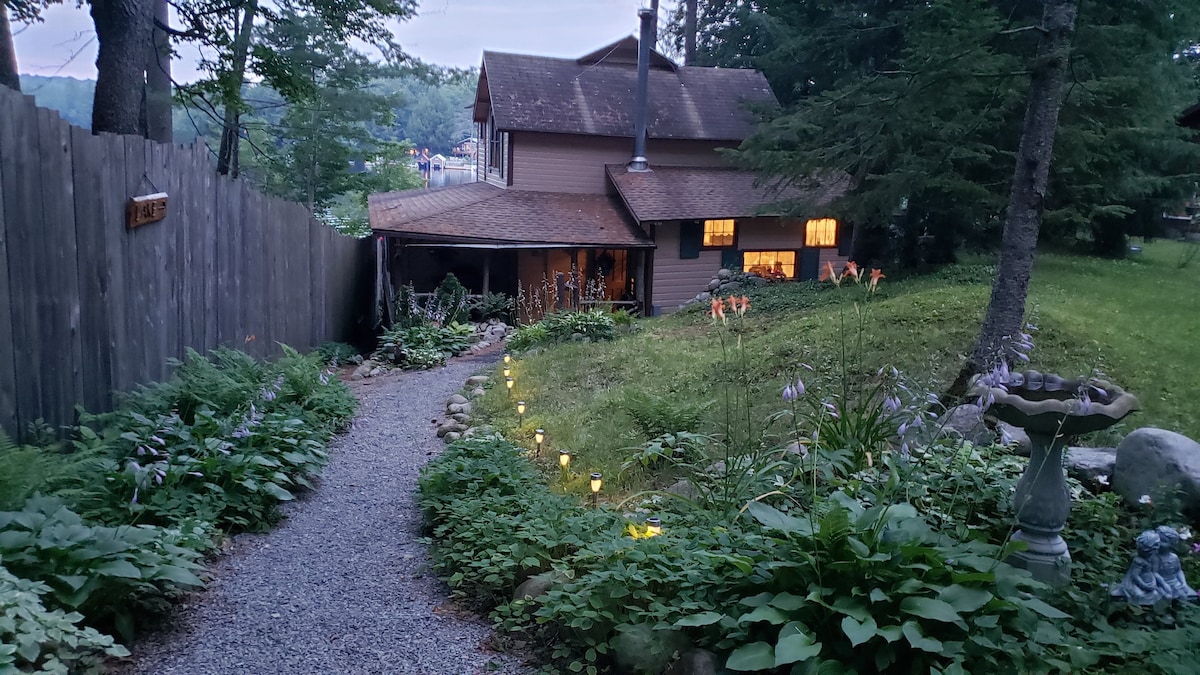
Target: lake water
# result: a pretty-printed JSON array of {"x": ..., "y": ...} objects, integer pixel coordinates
[{"x": 451, "y": 176}]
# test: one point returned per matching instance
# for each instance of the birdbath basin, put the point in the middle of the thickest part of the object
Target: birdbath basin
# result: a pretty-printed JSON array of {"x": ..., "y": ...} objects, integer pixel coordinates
[{"x": 1050, "y": 409}]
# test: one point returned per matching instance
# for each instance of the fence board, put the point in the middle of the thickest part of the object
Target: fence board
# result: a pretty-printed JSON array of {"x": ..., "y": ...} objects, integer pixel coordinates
[
  {"x": 89, "y": 307},
  {"x": 8, "y": 385}
]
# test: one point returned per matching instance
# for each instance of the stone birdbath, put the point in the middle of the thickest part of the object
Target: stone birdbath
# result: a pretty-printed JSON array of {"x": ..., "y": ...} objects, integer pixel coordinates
[{"x": 1051, "y": 410}]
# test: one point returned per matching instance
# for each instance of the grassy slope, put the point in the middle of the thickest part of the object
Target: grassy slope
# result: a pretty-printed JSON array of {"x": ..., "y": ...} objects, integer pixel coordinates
[{"x": 1130, "y": 319}]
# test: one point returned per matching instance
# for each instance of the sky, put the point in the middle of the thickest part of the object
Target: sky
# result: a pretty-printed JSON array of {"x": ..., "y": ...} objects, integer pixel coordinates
[{"x": 445, "y": 32}]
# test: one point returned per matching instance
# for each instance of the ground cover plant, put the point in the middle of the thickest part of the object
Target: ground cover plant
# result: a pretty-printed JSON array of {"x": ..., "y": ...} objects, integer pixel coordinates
[
  {"x": 817, "y": 520},
  {"x": 112, "y": 523}
]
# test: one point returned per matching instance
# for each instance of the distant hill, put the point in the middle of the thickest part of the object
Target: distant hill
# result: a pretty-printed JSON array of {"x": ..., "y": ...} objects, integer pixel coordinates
[{"x": 72, "y": 98}]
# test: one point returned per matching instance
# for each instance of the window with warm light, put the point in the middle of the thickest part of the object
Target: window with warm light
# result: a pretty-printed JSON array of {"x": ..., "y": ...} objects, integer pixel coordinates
[
  {"x": 718, "y": 233},
  {"x": 770, "y": 264},
  {"x": 821, "y": 232}
]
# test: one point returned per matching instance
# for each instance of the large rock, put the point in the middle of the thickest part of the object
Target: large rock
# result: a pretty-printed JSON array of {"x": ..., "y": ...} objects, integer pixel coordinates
[
  {"x": 538, "y": 585},
  {"x": 451, "y": 436},
  {"x": 459, "y": 408},
  {"x": 1157, "y": 462},
  {"x": 476, "y": 380},
  {"x": 696, "y": 662},
  {"x": 477, "y": 392},
  {"x": 1092, "y": 466},
  {"x": 714, "y": 285},
  {"x": 967, "y": 421},
  {"x": 724, "y": 274},
  {"x": 684, "y": 488},
  {"x": 1015, "y": 438},
  {"x": 363, "y": 371},
  {"x": 457, "y": 398},
  {"x": 461, "y": 418}
]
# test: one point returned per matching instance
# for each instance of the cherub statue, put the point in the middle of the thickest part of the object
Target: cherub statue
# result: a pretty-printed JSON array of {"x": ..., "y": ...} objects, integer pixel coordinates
[
  {"x": 1142, "y": 584},
  {"x": 1166, "y": 564}
]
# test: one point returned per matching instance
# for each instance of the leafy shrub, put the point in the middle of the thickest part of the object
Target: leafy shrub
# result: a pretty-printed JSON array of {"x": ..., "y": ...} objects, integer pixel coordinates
[
  {"x": 658, "y": 415},
  {"x": 109, "y": 574},
  {"x": 493, "y": 306},
  {"x": 423, "y": 345},
  {"x": 529, "y": 336},
  {"x": 594, "y": 324},
  {"x": 232, "y": 472},
  {"x": 34, "y": 639},
  {"x": 338, "y": 353},
  {"x": 452, "y": 296},
  {"x": 661, "y": 450}
]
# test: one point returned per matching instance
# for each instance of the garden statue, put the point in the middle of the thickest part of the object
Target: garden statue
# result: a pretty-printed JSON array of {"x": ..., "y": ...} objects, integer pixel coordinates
[
  {"x": 1050, "y": 409},
  {"x": 1166, "y": 564},
  {"x": 1142, "y": 584}
]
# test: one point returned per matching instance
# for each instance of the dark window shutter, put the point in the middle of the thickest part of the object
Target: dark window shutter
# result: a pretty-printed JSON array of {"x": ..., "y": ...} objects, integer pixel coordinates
[
  {"x": 731, "y": 260},
  {"x": 691, "y": 234},
  {"x": 810, "y": 263},
  {"x": 844, "y": 235}
]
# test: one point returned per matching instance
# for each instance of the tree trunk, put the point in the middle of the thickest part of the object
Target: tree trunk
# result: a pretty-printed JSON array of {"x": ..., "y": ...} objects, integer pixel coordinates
[
  {"x": 9, "y": 77},
  {"x": 689, "y": 33},
  {"x": 227, "y": 163},
  {"x": 159, "y": 125},
  {"x": 123, "y": 30},
  {"x": 1048, "y": 88}
]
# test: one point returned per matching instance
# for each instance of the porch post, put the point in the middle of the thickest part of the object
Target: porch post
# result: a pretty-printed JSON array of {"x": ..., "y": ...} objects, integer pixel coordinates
[{"x": 487, "y": 270}]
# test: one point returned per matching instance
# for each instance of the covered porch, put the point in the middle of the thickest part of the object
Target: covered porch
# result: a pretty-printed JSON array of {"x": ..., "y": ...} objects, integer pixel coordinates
[{"x": 548, "y": 251}]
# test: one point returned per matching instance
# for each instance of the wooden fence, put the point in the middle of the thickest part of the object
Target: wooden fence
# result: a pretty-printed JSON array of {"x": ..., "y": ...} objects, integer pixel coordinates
[{"x": 89, "y": 307}]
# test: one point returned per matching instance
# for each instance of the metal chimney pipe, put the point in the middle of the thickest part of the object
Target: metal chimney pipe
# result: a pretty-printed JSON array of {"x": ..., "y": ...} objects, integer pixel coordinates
[{"x": 641, "y": 103}]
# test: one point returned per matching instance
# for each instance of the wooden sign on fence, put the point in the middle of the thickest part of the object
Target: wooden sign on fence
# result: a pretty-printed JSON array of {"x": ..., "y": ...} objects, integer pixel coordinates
[{"x": 145, "y": 209}]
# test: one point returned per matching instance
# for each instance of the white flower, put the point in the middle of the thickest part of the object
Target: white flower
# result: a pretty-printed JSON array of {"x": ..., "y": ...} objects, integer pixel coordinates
[
  {"x": 1185, "y": 533},
  {"x": 1103, "y": 480},
  {"x": 1145, "y": 499}
]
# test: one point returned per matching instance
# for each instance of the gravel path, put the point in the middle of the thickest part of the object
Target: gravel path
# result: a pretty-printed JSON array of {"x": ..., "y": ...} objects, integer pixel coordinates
[{"x": 342, "y": 585}]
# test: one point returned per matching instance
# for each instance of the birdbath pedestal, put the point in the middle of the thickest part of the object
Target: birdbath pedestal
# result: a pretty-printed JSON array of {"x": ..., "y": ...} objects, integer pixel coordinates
[{"x": 1051, "y": 410}]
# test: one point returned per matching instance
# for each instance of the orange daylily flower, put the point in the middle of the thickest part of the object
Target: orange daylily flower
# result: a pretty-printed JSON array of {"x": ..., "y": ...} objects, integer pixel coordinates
[
  {"x": 828, "y": 274},
  {"x": 739, "y": 305},
  {"x": 852, "y": 270},
  {"x": 876, "y": 275},
  {"x": 717, "y": 310}
]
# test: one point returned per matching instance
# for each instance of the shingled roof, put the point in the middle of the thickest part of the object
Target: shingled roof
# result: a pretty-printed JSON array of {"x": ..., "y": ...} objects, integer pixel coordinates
[
  {"x": 687, "y": 193},
  {"x": 595, "y": 95},
  {"x": 484, "y": 214}
]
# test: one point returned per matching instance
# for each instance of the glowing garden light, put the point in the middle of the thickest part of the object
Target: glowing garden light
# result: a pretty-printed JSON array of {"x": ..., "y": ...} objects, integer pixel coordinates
[
  {"x": 507, "y": 371},
  {"x": 653, "y": 526},
  {"x": 520, "y": 413},
  {"x": 564, "y": 459},
  {"x": 596, "y": 483},
  {"x": 539, "y": 435},
  {"x": 507, "y": 358},
  {"x": 508, "y": 382}
]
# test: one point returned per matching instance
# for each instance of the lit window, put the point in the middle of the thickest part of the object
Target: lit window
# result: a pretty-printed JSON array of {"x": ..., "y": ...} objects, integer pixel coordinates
[
  {"x": 821, "y": 232},
  {"x": 718, "y": 233},
  {"x": 770, "y": 264}
]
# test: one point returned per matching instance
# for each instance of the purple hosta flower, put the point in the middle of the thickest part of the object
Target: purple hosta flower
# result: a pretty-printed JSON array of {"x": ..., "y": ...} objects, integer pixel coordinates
[
  {"x": 892, "y": 404},
  {"x": 324, "y": 378},
  {"x": 1196, "y": 548},
  {"x": 905, "y": 452},
  {"x": 1006, "y": 437},
  {"x": 267, "y": 394},
  {"x": 831, "y": 408},
  {"x": 806, "y": 367},
  {"x": 135, "y": 466},
  {"x": 158, "y": 476},
  {"x": 790, "y": 394},
  {"x": 1083, "y": 405},
  {"x": 141, "y": 450},
  {"x": 135, "y": 495},
  {"x": 197, "y": 474},
  {"x": 278, "y": 385},
  {"x": 159, "y": 440},
  {"x": 903, "y": 428},
  {"x": 241, "y": 432}
]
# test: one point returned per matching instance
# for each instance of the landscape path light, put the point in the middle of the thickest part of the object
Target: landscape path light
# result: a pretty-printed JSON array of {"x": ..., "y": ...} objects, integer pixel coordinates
[
  {"x": 539, "y": 435},
  {"x": 596, "y": 483},
  {"x": 507, "y": 358},
  {"x": 507, "y": 371},
  {"x": 520, "y": 413},
  {"x": 653, "y": 526},
  {"x": 508, "y": 382},
  {"x": 564, "y": 460}
]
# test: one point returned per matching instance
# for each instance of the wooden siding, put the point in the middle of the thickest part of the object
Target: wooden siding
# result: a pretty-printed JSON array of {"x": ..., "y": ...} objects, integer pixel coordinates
[
  {"x": 676, "y": 281},
  {"x": 572, "y": 163}
]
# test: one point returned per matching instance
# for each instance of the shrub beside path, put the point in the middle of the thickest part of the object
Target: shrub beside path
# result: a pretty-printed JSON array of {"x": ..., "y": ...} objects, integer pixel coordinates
[{"x": 343, "y": 585}]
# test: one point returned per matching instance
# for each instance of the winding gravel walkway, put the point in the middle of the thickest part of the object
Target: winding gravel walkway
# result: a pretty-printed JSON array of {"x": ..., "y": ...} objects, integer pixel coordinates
[{"x": 342, "y": 586}]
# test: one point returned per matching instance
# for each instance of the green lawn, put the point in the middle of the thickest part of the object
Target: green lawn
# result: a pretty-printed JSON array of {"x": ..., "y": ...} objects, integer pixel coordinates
[{"x": 1138, "y": 321}]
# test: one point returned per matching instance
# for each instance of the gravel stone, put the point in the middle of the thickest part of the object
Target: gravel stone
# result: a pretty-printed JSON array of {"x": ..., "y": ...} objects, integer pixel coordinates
[{"x": 344, "y": 584}]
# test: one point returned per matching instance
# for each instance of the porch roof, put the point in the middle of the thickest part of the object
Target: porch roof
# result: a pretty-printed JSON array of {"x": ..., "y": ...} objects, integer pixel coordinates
[
  {"x": 485, "y": 214},
  {"x": 687, "y": 193}
]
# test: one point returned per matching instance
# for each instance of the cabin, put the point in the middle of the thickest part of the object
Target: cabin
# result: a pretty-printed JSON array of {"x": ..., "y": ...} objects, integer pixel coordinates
[{"x": 583, "y": 173}]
